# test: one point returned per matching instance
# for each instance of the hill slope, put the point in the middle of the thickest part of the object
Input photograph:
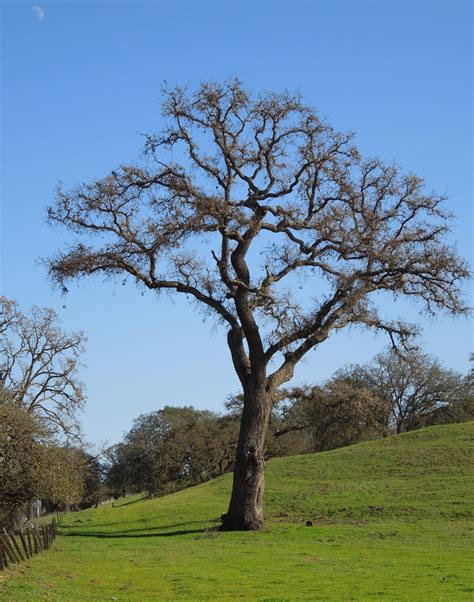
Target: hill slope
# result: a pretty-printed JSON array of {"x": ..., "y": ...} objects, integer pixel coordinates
[{"x": 390, "y": 523}]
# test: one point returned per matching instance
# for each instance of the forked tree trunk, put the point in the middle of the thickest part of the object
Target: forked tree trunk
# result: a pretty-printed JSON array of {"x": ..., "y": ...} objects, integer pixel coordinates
[{"x": 245, "y": 511}]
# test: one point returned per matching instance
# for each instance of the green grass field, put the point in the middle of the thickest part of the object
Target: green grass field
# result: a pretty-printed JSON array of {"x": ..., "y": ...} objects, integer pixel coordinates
[{"x": 418, "y": 547}]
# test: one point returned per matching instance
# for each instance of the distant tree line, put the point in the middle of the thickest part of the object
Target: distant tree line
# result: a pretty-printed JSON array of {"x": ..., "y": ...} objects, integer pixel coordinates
[{"x": 176, "y": 447}]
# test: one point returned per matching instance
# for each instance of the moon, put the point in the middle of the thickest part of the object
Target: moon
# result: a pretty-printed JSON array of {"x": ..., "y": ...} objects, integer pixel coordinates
[{"x": 39, "y": 12}]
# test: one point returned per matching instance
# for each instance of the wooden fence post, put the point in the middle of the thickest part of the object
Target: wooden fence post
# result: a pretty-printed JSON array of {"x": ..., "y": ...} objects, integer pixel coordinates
[
  {"x": 45, "y": 537},
  {"x": 35, "y": 542},
  {"x": 38, "y": 546},
  {"x": 10, "y": 552},
  {"x": 30, "y": 544},
  {"x": 3, "y": 552},
  {"x": 23, "y": 543},
  {"x": 16, "y": 546},
  {"x": 3, "y": 559}
]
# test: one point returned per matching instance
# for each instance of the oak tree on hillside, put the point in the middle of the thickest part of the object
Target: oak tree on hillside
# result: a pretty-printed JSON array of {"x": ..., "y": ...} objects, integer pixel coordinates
[
  {"x": 416, "y": 387},
  {"x": 273, "y": 222},
  {"x": 170, "y": 449},
  {"x": 340, "y": 412}
]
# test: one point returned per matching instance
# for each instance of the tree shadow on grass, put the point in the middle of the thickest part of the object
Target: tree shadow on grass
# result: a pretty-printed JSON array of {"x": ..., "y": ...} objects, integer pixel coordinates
[
  {"x": 129, "y": 503},
  {"x": 132, "y": 534},
  {"x": 84, "y": 525}
]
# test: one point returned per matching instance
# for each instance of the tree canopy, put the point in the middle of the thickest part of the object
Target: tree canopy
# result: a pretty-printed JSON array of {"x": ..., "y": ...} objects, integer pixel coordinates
[
  {"x": 239, "y": 201},
  {"x": 39, "y": 365},
  {"x": 268, "y": 167}
]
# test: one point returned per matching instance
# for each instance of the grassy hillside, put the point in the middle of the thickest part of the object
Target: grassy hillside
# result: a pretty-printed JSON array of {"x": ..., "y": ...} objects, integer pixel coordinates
[{"x": 413, "y": 546}]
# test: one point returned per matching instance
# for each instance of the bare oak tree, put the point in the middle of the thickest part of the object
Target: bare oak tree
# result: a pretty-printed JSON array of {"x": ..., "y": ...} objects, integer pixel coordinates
[
  {"x": 414, "y": 386},
  {"x": 273, "y": 222},
  {"x": 39, "y": 365}
]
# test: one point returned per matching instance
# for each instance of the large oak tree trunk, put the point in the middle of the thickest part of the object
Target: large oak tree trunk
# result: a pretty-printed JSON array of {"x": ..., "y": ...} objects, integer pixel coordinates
[{"x": 245, "y": 511}]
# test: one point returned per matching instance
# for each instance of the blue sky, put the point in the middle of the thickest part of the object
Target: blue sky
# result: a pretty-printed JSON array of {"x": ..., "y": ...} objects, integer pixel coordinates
[{"x": 79, "y": 85}]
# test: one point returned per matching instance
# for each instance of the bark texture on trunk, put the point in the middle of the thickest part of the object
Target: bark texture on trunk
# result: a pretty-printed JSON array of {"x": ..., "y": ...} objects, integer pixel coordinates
[{"x": 246, "y": 503}]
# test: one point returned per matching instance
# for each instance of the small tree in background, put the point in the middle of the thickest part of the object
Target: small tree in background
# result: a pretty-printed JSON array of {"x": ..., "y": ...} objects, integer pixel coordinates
[
  {"x": 39, "y": 365},
  {"x": 259, "y": 201},
  {"x": 20, "y": 455},
  {"x": 33, "y": 465},
  {"x": 418, "y": 389},
  {"x": 342, "y": 411}
]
